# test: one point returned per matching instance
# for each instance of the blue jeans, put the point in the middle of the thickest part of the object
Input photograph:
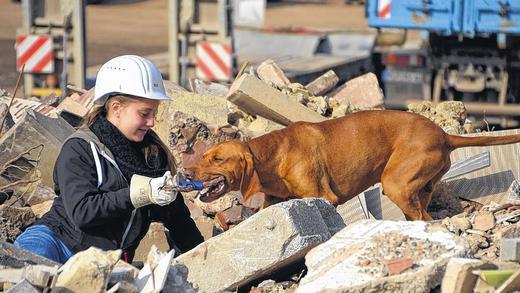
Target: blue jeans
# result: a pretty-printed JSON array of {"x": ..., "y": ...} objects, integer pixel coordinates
[{"x": 41, "y": 240}]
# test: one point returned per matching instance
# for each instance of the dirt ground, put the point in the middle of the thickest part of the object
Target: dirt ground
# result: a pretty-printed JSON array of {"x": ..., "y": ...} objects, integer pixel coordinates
[{"x": 141, "y": 27}]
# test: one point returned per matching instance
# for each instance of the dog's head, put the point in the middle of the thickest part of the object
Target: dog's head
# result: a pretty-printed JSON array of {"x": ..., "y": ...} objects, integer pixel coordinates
[{"x": 225, "y": 167}]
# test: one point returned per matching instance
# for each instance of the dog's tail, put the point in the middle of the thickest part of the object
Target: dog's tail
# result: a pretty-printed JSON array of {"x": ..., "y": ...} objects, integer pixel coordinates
[{"x": 455, "y": 141}]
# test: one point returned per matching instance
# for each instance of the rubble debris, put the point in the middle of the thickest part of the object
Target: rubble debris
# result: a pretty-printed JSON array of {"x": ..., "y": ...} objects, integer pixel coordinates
[
  {"x": 396, "y": 266},
  {"x": 233, "y": 216},
  {"x": 153, "y": 275},
  {"x": 13, "y": 220},
  {"x": 78, "y": 104},
  {"x": 269, "y": 72},
  {"x": 20, "y": 106},
  {"x": 206, "y": 227},
  {"x": 208, "y": 88},
  {"x": 255, "y": 97},
  {"x": 510, "y": 249},
  {"x": 450, "y": 115},
  {"x": 122, "y": 272},
  {"x": 37, "y": 275},
  {"x": 16, "y": 257},
  {"x": 41, "y": 193},
  {"x": 222, "y": 203},
  {"x": 353, "y": 260},
  {"x": 274, "y": 237},
  {"x": 212, "y": 110},
  {"x": 484, "y": 221},
  {"x": 41, "y": 208},
  {"x": 36, "y": 140},
  {"x": 362, "y": 92},
  {"x": 90, "y": 269},
  {"x": 459, "y": 277},
  {"x": 323, "y": 83},
  {"x": 6, "y": 118},
  {"x": 123, "y": 287},
  {"x": 300, "y": 94},
  {"x": 189, "y": 137},
  {"x": 155, "y": 236},
  {"x": 444, "y": 202},
  {"x": 23, "y": 286}
]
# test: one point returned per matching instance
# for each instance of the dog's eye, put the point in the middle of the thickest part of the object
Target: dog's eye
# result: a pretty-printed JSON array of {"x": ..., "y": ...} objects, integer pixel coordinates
[{"x": 217, "y": 159}]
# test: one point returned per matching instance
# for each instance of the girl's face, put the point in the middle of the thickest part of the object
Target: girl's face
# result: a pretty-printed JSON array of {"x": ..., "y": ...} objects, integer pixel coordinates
[{"x": 133, "y": 118}]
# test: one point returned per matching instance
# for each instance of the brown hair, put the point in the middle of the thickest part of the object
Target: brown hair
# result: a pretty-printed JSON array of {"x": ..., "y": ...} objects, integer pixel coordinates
[{"x": 124, "y": 100}]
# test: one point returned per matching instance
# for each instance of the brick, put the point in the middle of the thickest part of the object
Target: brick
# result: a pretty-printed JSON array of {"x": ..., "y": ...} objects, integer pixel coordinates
[
  {"x": 323, "y": 84},
  {"x": 233, "y": 215},
  {"x": 271, "y": 73},
  {"x": 397, "y": 265},
  {"x": 484, "y": 221},
  {"x": 510, "y": 249},
  {"x": 362, "y": 92},
  {"x": 255, "y": 97}
]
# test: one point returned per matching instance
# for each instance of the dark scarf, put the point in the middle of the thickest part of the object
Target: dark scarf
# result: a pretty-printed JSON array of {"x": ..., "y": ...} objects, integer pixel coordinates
[{"x": 129, "y": 155}]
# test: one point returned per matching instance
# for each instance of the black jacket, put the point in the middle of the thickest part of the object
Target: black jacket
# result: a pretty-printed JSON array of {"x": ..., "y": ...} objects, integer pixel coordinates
[{"x": 85, "y": 215}]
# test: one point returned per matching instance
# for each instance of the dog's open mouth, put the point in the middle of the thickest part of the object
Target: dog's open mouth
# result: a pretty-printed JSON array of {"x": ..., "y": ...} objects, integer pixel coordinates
[{"x": 213, "y": 189}]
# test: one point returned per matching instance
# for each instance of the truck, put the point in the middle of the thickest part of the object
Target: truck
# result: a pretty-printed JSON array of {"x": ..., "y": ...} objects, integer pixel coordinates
[{"x": 467, "y": 50}]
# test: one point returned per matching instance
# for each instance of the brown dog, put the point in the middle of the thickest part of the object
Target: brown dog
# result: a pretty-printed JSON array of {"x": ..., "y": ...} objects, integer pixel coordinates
[{"x": 340, "y": 158}]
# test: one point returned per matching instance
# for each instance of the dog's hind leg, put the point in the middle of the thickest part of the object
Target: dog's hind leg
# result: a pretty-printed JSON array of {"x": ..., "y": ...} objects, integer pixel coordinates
[{"x": 407, "y": 181}]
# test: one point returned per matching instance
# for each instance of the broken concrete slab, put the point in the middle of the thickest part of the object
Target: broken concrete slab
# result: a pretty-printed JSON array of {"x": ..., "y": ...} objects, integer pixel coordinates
[
  {"x": 362, "y": 92},
  {"x": 77, "y": 104},
  {"x": 449, "y": 115},
  {"x": 90, "y": 269},
  {"x": 484, "y": 221},
  {"x": 41, "y": 193},
  {"x": 323, "y": 84},
  {"x": 270, "y": 73},
  {"x": 40, "y": 209},
  {"x": 151, "y": 278},
  {"x": 13, "y": 220},
  {"x": 273, "y": 238},
  {"x": 353, "y": 260},
  {"x": 16, "y": 257},
  {"x": 459, "y": 277},
  {"x": 256, "y": 97},
  {"x": 489, "y": 184},
  {"x": 233, "y": 216},
  {"x": 36, "y": 138}
]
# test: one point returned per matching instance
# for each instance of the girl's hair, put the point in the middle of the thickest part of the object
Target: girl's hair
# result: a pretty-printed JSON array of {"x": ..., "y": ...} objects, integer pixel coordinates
[{"x": 124, "y": 100}]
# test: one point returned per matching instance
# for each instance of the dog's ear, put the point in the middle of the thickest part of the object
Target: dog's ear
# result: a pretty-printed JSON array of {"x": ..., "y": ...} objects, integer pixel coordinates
[{"x": 250, "y": 182}]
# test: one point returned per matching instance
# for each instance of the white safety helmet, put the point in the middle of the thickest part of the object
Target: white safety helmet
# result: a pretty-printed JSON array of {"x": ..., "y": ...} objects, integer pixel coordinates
[{"x": 130, "y": 75}]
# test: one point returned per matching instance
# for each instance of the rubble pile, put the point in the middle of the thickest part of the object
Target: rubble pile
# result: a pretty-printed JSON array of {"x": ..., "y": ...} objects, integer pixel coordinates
[
  {"x": 300, "y": 245},
  {"x": 449, "y": 115}
]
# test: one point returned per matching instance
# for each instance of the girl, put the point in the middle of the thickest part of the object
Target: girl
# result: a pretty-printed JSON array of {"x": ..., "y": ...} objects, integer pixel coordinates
[{"x": 110, "y": 174}]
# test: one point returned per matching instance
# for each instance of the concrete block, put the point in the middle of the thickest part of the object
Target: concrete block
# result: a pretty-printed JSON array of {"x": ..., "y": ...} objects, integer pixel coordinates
[
  {"x": 256, "y": 97},
  {"x": 88, "y": 270},
  {"x": 323, "y": 84},
  {"x": 353, "y": 259},
  {"x": 362, "y": 92},
  {"x": 510, "y": 249},
  {"x": 275, "y": 237},
  {"x": 271, "y": 73},
  {"x": 76, "y": 104},
  {"x": 459, "y": 277},
  {"x": 34, "y": 133}
]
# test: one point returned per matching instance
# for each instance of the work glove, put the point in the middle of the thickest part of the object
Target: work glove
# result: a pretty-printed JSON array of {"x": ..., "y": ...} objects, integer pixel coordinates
[{"x": 145, "y": 190}]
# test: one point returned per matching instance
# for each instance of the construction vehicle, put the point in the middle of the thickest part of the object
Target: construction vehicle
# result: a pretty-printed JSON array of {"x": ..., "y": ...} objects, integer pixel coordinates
[{"x": 468, "y": 50}]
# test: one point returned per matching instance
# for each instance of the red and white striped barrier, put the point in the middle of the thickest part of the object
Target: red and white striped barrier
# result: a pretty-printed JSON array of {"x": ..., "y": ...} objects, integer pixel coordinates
[
  {"x": 213, "y": 61},
  {"x": 36, "y": 51},
  {"x": 383, "y": 8}
]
